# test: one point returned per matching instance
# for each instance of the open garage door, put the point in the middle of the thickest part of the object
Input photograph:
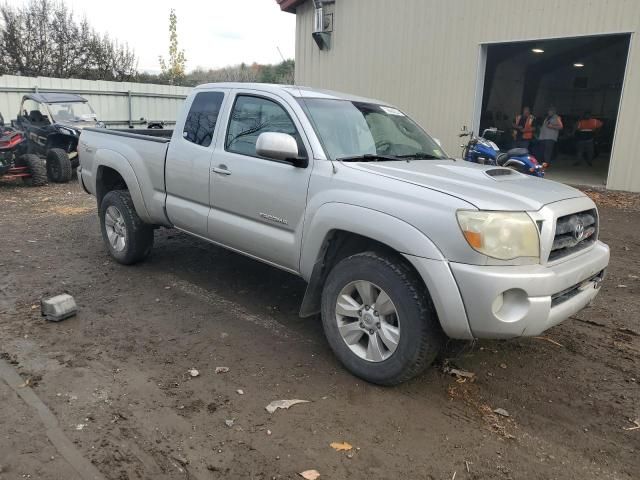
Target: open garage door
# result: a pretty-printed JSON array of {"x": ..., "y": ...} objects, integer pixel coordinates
[{"x": 580, "y": 77}]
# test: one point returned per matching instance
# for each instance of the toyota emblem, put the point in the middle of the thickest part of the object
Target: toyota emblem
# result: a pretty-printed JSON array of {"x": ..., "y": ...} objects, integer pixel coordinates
[{"x": 578, "y": 231}]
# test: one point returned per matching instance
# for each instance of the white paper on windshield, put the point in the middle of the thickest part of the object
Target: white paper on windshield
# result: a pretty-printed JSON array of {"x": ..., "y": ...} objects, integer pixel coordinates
[{"x": 392, "y": 111}]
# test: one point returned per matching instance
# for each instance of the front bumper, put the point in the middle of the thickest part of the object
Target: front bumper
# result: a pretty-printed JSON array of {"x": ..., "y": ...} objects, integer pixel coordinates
[{"x": 513, "y": 301}]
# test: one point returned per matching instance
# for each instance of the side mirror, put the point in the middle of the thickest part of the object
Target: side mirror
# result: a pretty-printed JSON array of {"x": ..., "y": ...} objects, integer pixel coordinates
[
  {"x": 280, "y": 146},
  {"x": 437, "y": 140}
]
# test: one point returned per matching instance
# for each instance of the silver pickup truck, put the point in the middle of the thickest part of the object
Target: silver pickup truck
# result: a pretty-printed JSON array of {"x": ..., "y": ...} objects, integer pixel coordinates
[{"x": 401, "y": 245}]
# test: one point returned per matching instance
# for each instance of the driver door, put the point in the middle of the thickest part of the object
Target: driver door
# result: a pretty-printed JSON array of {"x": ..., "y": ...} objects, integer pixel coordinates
[{"x": 258, "y": 204}]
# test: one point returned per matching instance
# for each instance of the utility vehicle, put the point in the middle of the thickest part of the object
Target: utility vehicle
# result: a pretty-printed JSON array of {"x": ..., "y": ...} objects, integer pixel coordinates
[{"x": 52, "y": 123}]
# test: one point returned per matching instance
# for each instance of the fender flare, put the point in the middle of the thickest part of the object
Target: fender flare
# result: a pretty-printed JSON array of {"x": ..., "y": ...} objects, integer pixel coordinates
[
  {"x": 381, "y": 227},
  {"x": 111, "y": 159}
]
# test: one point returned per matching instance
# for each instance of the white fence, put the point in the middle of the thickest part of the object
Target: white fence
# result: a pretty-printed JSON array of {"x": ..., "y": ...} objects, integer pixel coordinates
[{"x": 119, "y": 104}]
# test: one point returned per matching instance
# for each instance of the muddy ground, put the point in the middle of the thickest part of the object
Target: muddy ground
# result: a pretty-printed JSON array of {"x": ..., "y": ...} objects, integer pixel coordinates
[{"x": 116, "y": 375}]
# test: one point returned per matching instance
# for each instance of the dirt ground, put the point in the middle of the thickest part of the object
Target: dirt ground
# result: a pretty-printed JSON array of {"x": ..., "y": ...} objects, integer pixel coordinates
[{"x": 116, "y": 375}]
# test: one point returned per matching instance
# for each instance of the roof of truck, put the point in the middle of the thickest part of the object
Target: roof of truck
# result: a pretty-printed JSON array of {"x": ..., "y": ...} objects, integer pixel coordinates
[
  {"x": 55, "y": 97},
  {"x": 293, "y": 90}
]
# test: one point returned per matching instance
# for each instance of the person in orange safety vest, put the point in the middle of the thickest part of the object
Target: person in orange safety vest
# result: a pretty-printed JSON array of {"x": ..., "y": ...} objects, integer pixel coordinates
[
  {"x": 585, "y": 135},
  {"x": 523, "y": 128}
]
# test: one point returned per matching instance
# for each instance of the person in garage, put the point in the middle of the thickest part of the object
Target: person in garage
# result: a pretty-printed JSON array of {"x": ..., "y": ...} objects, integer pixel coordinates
[
  {"x": 585, "y": 135},
  {"x": 549, "y": 131},
  {"x": 523, "y": 129}
]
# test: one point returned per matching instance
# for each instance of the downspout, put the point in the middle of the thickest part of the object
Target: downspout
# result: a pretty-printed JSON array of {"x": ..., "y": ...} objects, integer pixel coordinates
[
  {"x": 318, "y": 18},
  {"x": 320, "y": 36}
]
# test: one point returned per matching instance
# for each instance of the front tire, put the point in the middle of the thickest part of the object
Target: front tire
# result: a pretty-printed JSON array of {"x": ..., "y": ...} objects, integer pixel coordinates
[
  {"x": 127, "y": 237},
  {"x": 378, "y": 318},
  {"x": 58, "y": 166},
  {"x": 36, "y": 169}
]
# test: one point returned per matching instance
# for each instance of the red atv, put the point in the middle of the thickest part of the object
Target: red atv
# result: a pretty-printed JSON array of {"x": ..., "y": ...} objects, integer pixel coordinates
[{"x": 14, "y": 163}]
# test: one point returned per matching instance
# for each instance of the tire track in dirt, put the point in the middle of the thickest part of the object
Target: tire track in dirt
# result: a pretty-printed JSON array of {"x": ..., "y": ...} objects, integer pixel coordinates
[
  {"x": 55, "y": 434},
  {"x": 275, "y": 327}
]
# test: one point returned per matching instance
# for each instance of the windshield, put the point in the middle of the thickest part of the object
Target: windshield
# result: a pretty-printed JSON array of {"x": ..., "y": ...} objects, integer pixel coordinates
[
  {"x": 72, "y": 112},
  {"x": 352, "y": 129}
]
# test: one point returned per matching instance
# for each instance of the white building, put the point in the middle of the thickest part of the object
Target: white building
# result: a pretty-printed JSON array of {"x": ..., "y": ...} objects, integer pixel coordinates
[{"x": 475, "y": 63}]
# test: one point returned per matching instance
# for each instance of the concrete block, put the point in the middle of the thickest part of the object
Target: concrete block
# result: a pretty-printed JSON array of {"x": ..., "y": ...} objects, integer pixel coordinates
[{"x": 59, "y": 307}]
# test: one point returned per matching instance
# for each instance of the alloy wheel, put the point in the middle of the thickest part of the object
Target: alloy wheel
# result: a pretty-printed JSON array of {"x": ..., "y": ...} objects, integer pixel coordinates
[
  {"x": 368, "y": 321},
  {"x": 116, "y": 228}
]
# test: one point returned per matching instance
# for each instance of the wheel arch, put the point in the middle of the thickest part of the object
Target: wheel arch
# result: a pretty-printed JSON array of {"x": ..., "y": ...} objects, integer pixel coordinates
[
  {"x": 340, "y": 230},
  {"x": 113, "y": 172},
  {"x": 65, "y": 142}
]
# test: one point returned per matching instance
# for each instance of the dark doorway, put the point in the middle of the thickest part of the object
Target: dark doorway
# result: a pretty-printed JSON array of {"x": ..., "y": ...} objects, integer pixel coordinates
[{"x": 575, "y": 75}]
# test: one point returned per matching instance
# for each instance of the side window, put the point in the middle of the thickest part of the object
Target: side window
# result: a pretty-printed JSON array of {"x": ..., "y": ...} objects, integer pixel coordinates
[
  {"x": 252, "y": 116},
  {"x": 35, "y": 112},
  {"x": 202, "y": 117}
]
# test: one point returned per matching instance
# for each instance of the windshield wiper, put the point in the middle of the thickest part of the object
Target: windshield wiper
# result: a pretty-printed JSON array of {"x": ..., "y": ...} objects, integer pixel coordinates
[
  {"x": 369, "y": 157},
  {"x": 421, "y": 156}
]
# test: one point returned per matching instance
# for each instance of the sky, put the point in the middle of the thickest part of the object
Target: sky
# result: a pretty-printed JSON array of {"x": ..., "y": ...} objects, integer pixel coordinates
[{"x": 213, "y": 33}]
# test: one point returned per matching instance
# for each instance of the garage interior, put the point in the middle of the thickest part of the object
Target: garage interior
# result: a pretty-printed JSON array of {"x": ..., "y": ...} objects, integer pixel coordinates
[{"x": 576, "y": 75}]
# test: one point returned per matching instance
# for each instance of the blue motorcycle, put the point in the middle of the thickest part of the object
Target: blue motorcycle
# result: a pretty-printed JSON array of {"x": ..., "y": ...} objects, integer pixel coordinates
[{"x": 485, "y": 152}]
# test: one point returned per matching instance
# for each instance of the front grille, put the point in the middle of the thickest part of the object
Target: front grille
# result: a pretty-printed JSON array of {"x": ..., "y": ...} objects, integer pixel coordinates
[
  {"x": 568, "y": 239},
  {"x": 571, "y": 292}
]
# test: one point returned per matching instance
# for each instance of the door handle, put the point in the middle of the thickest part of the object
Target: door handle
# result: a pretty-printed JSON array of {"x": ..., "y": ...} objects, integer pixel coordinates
[{"x": 221, "y": 169}]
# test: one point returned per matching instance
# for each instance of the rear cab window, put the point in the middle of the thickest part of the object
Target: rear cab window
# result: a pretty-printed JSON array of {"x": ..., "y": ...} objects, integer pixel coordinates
[{"x": 202, "y": 118}]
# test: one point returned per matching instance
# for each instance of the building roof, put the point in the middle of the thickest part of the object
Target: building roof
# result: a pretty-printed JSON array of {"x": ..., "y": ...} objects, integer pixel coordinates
[
  {"x": 289, "y": 5},
  {"x": 55, "y": 97}
]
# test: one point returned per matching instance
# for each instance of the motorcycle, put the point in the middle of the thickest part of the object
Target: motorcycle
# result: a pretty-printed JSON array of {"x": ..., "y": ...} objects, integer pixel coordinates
[{"x": 485, "y": 152}]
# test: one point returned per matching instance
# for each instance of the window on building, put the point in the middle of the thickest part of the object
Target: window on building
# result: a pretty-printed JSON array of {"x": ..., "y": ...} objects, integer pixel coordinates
[{"x": 202, "y": 117}]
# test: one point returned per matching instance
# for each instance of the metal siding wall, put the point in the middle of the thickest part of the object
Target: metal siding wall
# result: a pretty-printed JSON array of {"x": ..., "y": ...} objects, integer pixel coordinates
[
  {"x": 422, "y": 55},
  {"x": 109, "y": 107}
]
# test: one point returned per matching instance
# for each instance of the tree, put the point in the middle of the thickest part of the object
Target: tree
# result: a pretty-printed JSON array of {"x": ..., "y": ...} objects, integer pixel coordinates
[
  {"x": 42, "y": 38},
  {"x": 174, "y": 68},
  {"x": 280, "y": 73},
  {"x": 283, "y": 72}
]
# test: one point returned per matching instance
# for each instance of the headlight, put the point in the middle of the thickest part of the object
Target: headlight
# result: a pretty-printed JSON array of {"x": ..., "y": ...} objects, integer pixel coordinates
[
  {"x": 502, "y": 235},
  {"x": 67, "y": 131}
]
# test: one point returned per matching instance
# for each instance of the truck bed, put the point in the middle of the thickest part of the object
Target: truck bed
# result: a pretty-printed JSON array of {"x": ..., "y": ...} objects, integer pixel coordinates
[
  {"x": 145, "y": 151},
  {"x": 153, "y": 134}
]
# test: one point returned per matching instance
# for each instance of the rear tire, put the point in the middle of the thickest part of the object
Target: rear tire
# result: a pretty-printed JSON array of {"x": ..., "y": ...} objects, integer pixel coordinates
[
  {"x": 58, "y": 166},
  {"x": 127, "y": 237},
  {"x": 406, "y": 334},
  {"x": 36, "y": 168}
]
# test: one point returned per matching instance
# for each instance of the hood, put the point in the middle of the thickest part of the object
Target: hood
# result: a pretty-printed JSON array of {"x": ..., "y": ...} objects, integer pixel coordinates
[{"x": 486, "y": 187}]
